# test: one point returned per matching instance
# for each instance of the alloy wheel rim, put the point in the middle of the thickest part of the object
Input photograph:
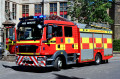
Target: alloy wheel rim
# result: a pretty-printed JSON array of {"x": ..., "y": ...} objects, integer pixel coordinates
[
  {"x": 97, "y": 60},
  {"x": 59, "y": 63}
]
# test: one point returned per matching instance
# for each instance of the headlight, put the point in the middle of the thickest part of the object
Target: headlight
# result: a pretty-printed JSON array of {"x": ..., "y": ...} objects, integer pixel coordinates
[{"x": 40, "y": 59}]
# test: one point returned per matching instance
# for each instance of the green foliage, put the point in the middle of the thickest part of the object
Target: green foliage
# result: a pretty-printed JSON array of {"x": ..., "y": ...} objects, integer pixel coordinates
[
  {"x": 116, "y": 45},
  {"x": 86, "y": 11}
]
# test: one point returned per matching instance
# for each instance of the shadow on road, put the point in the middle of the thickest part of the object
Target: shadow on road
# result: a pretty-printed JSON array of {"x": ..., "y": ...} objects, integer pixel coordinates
[
  {"x": 79, "y": 65},
  {"x": 29, "y": 69},
  {"x": 46, "y": 69},
  {"x": 65, "y": 77}
]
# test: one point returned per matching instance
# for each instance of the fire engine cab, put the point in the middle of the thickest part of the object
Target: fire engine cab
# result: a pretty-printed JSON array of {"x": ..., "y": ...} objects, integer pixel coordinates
[{"x": 52, "y": 41}]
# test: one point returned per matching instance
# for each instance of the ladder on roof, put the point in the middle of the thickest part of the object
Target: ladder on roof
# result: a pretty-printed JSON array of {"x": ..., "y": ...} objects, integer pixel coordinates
[
  {"x": 99, "y": 25},
  {"x": 55, "y": 17}
]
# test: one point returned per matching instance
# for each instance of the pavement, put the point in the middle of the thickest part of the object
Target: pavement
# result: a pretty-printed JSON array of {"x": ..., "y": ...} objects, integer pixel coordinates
[{"x": 111, "y": 70}]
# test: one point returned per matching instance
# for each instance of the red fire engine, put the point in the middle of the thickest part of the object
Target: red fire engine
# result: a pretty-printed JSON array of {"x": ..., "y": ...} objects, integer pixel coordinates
[
  {"x": 55, "y": 42},
  {"x": 10, "y": 39}
]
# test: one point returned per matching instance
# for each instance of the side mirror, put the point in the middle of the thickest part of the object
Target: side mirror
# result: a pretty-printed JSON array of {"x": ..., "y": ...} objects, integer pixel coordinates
[
  {"x": 11, "y": 37},
  {"x": 49, "y": 32}
]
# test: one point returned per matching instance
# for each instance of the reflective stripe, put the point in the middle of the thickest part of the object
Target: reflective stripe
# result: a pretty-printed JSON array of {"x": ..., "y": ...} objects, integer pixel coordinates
[
  {"x": 90, "y": 45},
  {"x": 107, "y": 43},
  {"x": 28, "y": 53},
  {"x": 62, "y": 47},
  {"x": 28, "y": 42},
  {"x": 32, "y": 58},
  {"x": 95, "y": 31},
  {"x": 51, "y": 41},
  {"x": 98, "y": 40},
  {"x": 76, "y": 46},
  {"x": 85, "y": 40},
  {"x": 35, "y": 63},
  {"x": 109, "y": 40}
]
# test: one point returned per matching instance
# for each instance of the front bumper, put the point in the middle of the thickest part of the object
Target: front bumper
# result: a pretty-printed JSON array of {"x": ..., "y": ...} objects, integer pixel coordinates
[{"x": 31, "y": 61}]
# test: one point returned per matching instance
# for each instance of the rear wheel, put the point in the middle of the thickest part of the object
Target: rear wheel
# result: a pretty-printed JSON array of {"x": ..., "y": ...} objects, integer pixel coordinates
[
  {"x": 58, "y": 63},
  {"x": 97, "y": 59}
]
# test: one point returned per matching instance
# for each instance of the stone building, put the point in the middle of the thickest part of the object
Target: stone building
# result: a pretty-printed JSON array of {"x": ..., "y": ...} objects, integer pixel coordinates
[
  {"x": 15, "y": 9},
  {"x": 116, "y": 25}
]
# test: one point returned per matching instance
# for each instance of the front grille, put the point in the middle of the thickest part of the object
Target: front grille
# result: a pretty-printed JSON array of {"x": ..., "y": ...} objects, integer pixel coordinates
[{"x": 27, "y": 48}]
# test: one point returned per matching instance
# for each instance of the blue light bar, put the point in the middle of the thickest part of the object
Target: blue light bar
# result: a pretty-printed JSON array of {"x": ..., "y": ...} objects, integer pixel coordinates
[
  {"x": 35, "y": 17},
  {"x": 32, "y": 17},
  {"x": 110, "y": 0},
  {"x": 41, "y": 16}
]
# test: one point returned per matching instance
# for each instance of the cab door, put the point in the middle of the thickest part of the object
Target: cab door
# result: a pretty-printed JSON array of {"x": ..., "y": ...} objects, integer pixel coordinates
[
  {"x": 58, "y": 34},
  {"x": 69, "y": 39},
  {"x": 56, "y": 43}
]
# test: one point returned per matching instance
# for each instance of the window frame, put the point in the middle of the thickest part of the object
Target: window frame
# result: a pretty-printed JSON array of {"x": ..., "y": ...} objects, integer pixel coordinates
[
  {"x": 63, "y": 6},
  {"x": 7, "y": 7},
  {"x": 53, "y": 7},
  {"x": 14, "y": 12},
  {"x": 25, "y": 10},
  {"x": 39, "y": 8}
]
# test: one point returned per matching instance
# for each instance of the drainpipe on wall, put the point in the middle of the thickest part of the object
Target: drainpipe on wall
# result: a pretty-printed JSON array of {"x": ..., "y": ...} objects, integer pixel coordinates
[{"x": 42, "y": 7}]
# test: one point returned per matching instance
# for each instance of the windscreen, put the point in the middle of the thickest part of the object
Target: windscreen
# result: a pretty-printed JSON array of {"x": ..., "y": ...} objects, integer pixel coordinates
[{"x": 30, "y": 32}]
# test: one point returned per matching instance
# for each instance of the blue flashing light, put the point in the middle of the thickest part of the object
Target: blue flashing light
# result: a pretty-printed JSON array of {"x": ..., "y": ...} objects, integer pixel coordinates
[
  {"x": 110, "y": 0},
  {"x": 35, "y": 17},
  {"x": 41, "y": 16}
]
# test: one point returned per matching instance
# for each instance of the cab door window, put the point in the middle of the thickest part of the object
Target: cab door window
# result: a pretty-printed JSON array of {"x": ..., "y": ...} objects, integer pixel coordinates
[
  {"x": 57, "y": 31},
  {"x": 68, "y": 31}
]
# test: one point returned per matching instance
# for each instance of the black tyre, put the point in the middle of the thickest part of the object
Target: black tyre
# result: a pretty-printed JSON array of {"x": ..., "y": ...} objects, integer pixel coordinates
[
  {"x": 1, "y": 57},
  {"x": 103, "y": 61},
  {"x": 97, "y": 59},
  {"x": 106, "y": 61},
  {"x": 58, "y": 63}
]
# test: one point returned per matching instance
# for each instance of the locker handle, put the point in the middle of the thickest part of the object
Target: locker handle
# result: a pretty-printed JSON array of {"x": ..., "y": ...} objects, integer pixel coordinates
[
  {"x": 72, "y": 45},
  {"x": 58, "y": 46}
]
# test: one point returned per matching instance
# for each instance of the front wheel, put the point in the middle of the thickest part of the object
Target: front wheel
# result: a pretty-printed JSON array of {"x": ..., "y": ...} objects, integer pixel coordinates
[
  {"x": 105, "y": 61},
  {"x": 58, "y": 63},
  {"x": 97, "y": 59},
  {"x": 1, "y": 57}
]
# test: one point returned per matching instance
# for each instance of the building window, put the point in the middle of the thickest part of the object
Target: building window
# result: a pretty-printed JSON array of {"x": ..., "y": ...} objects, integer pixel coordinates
[
  {"x": 7, "y": 8},
  {"x": 38, "y": 9},
  {"x": 53, "y": 8},
  {"x": 63, "y": 9},
  {"x": 14, "y": 10},
  {"x": 25, "y": 10}
]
